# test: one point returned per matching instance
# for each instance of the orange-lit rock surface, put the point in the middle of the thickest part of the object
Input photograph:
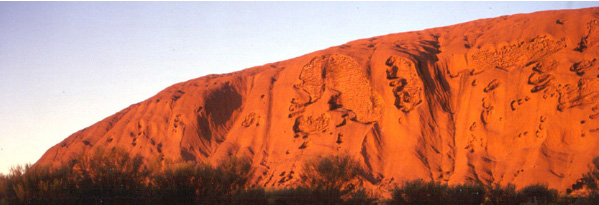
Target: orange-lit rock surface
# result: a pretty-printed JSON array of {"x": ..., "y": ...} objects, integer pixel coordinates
[{"x": 513, "y": 99}]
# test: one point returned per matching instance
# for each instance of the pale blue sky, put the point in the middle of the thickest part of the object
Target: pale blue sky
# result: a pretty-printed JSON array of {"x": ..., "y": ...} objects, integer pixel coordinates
[{"x": 67, "y": 65}]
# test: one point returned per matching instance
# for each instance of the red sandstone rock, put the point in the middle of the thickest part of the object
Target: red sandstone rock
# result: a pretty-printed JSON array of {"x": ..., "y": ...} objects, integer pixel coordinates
[{"x": 406, "y": 105}]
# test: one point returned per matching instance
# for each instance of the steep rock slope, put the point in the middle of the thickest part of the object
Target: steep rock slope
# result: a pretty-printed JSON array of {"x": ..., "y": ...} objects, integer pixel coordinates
[{"x": 513, "y": 99}]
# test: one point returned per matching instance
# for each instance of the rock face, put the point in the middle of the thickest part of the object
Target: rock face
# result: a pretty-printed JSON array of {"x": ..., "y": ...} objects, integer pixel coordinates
[{"x": 513, "y": 99}]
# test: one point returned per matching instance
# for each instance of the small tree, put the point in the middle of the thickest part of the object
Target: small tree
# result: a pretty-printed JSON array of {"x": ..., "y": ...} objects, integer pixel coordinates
[
  {"x": 37, "y": 184},
  {"x": 232, "y": 174},
  {"x": 3, "y": 189},
  {"x": 420, "y": 192},
  {"x": 188, "y": 183},
  {"x": 176, "y": 183},
  {"x": 537, "y": 193},
  {"x": 470, "y": 193},
  {"x": 591, "y": 178},
  {"x": 502, "y": 195},
  {"x": 331, "y": 175},
  {"x": 228, "y": 178},
  {"x": 110, "y": 177}
]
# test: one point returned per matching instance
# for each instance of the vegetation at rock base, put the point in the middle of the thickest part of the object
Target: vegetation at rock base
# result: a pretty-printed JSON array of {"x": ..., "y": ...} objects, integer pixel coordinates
[
  {"x": 503, "y": 195},
  {"x": 420, "y": 192},
  {"x": 588, "y": 185},
  {"x": 331, "y": 177},
  {"x": 201, "y": 183},
  {"x": 328, "y": 180},
  {"x": 114, "y": 177}
]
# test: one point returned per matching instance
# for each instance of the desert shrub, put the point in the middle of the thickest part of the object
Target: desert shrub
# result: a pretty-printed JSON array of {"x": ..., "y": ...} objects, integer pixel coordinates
[
  {"x": 466, "y": 194},
  {"x": 232, "y": 175},
  {"x": 228, "y": 179},
  {"x": 331, "y": 177},
  {"x": 300, "y": 195},
  {"x": 502, "y": 195},
  {"x": 592, "y": 198},
  {"x": 177, "y": 184},
  {"x": 588, "y": 184},
  {"x": 202, "y": 183},
  {"x": 303, "y": 195},
  {"x": 360, "y": 196},
  {"x": 248, "y": 196},
  {"x": 37, "y": 184},
  {"x": 111, "y": 176},
  {"x": 538, "y": 193},
  {"x": 420, "y": 192},
  {"x": 3, "y": 189},
  {"x": 591, "y": 178}
]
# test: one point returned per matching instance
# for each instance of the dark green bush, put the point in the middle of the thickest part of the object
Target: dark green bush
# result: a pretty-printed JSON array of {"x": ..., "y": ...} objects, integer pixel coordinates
[
  {"x": 110, "y": 177},
  {"x": 420, "y": 192},
  {"x": 248, "y": 196},
  {"x": 466, "y": 194},
  {"x": 589, "y": 182},
  {"x": 36, "y": 184},
  {"x": 232, "y": 175},
  {"x": 3, "y": 189},
  {"x": 592, "y": 198},
  {"x": 301, "y": 195},
  {"x": 538, "y": 193},
  {"x": 177, "y": 183},
  {"x": 331, "y": 177},
  {"x": 114, "y": 177},
  {"x": 502, "y": 195},
  {"x": 591, "y": 178},
  {"x": 203, "y": 183},
  {"x": 360, "y": 196},
  {"x": 104, "y": 177}
]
